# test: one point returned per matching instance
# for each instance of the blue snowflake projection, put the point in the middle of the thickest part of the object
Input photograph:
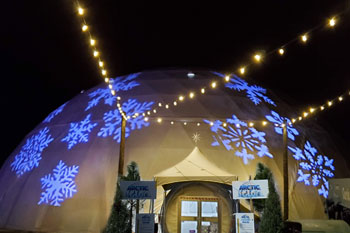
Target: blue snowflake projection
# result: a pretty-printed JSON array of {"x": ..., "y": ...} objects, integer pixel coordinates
[
  {"x": 113, "y": 120},
  {"x": 245, "y": 141},
  {"x": 254, "y": 92},
  {"x": 30, "y": 154},
  {"x": 119, "y": 84},
  {"x": 277, "y": 119},
  {"x": 313, "y": 168},
  {"x": 54, "y": 113},
  {"x": 79, "y": 132},
  {"x": 59, "y": 185}
]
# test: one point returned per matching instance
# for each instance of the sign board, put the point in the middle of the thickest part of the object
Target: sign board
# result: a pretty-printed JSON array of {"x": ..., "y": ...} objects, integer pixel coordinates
[
  {"x": 251, "y": 189},
  {"x": 138, "y": 189},
  {"x": 339, "y": 191},
  {"x": 245, "y": 223},
  {"x": 145, "y": 223}
]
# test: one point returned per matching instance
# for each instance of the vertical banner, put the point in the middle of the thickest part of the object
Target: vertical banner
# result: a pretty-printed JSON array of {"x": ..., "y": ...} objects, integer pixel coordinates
[
  {"x": 145, "y": 223},
  {"x": 251, "y": 189},
  {"x": 245, "y": 223}
]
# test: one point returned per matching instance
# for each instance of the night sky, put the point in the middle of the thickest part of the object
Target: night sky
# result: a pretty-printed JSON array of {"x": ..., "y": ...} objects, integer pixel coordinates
[{"x": 46, "y": 60}]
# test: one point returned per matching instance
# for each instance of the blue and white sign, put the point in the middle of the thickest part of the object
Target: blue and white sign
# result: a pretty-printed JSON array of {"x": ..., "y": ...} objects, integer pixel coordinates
[
  {"x": 245, "y": 223},
  {"x": 138, "y": 189},
  {"x": 145, "y": 223},
  {"x": 251, "y": 189}
]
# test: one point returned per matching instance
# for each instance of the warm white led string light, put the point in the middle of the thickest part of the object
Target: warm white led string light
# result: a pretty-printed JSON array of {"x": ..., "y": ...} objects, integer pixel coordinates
[
  {"x": 251, "y": 123},
  {"x": 97, "y": 55},
  {"x": 257, "y": 58}
]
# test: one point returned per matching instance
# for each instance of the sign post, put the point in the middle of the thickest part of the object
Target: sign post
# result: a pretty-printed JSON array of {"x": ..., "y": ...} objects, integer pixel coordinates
[{"x": 251, "y": 189}]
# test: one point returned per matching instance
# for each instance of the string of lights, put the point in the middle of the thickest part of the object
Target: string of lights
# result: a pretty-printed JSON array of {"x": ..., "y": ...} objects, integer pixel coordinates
[
  {"x": 251, "y": 123},
  {"x": 242, "y": 70},
  {"x": 313, "y": 110},
  {"x": 97, "y": 55}
]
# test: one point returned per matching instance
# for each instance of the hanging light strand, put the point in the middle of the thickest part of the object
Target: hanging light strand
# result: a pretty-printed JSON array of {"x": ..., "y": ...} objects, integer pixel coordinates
[
  {"x": 313, "y": 110},
  {"x": 85, "y": 28}
]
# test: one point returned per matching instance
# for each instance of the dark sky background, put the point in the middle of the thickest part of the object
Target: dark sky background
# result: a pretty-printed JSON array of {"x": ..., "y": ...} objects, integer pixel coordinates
[{"x": 45, "y": 59}]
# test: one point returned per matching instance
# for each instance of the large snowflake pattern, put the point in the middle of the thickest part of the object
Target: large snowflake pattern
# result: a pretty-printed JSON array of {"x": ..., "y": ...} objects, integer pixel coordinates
[
  {"x": 79, "y": 132},
  {"x": 313, "y": 168},
  {"x": 59, "y": 185},
  {"x": 255, "y": 93},
  {"x": 245, "y": 141},
  {"x": 113, "y": 120},
  {"x": 54, "y": 113},
  {"x": 278, "y": 120},
  {"x": 119, "y": 84},
  {"x": 30, "y": 154}
]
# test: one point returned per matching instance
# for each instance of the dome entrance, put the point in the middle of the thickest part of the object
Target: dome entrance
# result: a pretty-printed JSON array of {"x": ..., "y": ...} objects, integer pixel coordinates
[{"x": 197, "y": 207}]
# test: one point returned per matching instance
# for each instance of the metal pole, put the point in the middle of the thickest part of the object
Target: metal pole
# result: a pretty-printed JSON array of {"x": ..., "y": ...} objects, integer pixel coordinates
[
  {"x": 250, "y": 200},
  {"x": 285, "y": 172},
  {"x": 121, "y": 149}
]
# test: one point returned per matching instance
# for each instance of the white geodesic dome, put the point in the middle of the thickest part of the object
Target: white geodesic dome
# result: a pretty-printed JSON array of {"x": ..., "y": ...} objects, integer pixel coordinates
[{"x": 61, "y": 177}]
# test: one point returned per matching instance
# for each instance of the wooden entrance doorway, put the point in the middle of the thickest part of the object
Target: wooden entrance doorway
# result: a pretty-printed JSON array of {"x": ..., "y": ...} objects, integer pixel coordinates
[{"x": 199, "y": 214}]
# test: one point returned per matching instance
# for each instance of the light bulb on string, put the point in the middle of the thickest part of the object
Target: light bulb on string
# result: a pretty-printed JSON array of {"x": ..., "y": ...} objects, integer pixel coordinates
[
  {"x": 213, "y": 84},
  {"x": 340, "y": 98},
  {"x": 242, "y": 70},
  {"x": 104, "y": 72},
  {"x": 304, "y": 38},
  {"x": 80, "y": 11},
  {"x": 257, "y": 57},
  {"x": 203, "y": 90},
  {"x": 264, "y": 123},
  {"x": 100, "y": 63},
  {"x": 331, "y": 22},
  {"x": 84, "y": 28},
  {"x": 175, "y": 103},
  {"x": 181, "y": 98},
  {"x": 96, "y": 53},
  {"x": 281, "y": 51},
  {"x": 227, "y": 78},
  {"x": 191, "y": 95},
  {"x": 329, "y": 103},
  {"x": 92, "y": 42},
  {"x": 159, "y": 120},
  {"x": 106, "y": 80},
  {"x": 322, "y": 108}
]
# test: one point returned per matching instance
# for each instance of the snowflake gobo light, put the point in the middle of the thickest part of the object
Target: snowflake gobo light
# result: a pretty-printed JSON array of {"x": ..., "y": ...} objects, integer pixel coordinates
[
  {"x": 237, "y": 136},
  {"x": 278, "y": 121},
  {"x": 113, "y": 120},
  {"x": 313, "y": 168},
  {"x": 30, "y": 154},
  {"x": 54, "y": 113},
  {"x": 59, "y": 185},
  {"x": 79, "y": 132},
  {"x": 119, "y": 84}
]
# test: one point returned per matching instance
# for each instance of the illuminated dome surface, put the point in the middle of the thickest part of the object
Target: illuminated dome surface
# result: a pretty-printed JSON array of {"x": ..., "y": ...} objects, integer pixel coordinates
[{"x": 62, "y": 176}]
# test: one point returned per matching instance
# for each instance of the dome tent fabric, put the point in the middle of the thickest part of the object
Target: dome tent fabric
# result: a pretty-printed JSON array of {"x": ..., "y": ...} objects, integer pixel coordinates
[{"x": 61, "y": 177}]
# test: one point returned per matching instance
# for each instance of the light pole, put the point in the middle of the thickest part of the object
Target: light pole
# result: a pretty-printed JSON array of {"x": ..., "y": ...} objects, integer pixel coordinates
[
  {"x": 121, "y": 149},
  {"x": 285, "y": 172}
]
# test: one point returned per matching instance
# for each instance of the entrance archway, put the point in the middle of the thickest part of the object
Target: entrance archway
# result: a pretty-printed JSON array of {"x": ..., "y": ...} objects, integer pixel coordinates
[{"x": 197, "y": 207}]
